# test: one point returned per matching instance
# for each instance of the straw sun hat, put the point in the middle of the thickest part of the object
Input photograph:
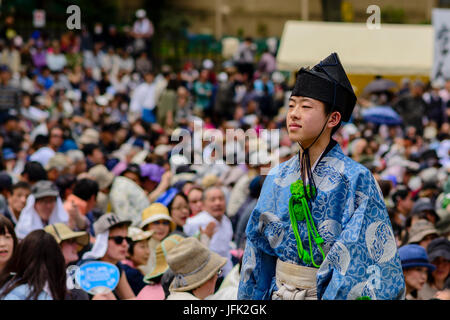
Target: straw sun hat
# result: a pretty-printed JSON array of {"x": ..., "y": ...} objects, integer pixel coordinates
[
  {"x": 193, "y": 264},
  {"x": 61, "y": 232},
  {"x": 162, "y": 250},
  {"x": 156, "y": 211}
]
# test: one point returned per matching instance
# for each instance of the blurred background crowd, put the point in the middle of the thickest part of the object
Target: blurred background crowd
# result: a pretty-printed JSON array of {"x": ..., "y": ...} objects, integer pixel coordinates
[{"x": 86, "y": 127}]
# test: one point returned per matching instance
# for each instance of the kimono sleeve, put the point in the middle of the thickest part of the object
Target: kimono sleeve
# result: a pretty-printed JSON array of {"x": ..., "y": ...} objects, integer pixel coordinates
[
  {"x": 259, "y": 260},
  {"x": 363, "y": 261}
]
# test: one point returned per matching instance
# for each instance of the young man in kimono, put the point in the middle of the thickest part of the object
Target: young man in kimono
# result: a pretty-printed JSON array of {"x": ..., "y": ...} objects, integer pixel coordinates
[{"x": 320, "y": 229}]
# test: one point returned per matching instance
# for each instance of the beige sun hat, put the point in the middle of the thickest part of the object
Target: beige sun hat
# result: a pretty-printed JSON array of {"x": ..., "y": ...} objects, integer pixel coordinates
[
  {"x": 59, "y": 161},
  {"x": 102, "y": 175},
  {"x": 137, "y": 234},
  {"x": 62, "y": 232},
  {"x": 162, "y": 249},
  {"x": 420, "y": 230},
  {"x": 193, "y": 264},
  {"x": 89, "y": 136},
  {"x": 156, "y": 211}
]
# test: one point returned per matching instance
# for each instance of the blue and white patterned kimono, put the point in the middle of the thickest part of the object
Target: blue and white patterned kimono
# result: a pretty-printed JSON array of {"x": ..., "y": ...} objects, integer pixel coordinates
[{"x": 361, "y": 256}]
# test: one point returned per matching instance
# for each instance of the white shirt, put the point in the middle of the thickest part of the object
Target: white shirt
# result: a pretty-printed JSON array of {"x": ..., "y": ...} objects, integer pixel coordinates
[
  {"x": 143, "y": 26},
  {"x": 56, "y": 62},
  {"x": 143, "y": 97},
  {"x": 220, "y": 241}
]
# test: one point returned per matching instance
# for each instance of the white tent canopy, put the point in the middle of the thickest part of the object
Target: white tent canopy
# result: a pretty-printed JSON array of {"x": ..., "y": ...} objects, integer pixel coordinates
[{"x": 395, "y": 49}]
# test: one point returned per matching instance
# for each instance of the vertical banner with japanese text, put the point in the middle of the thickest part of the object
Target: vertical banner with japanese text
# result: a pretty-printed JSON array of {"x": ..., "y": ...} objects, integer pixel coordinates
[{"x": 441, "y": 26}]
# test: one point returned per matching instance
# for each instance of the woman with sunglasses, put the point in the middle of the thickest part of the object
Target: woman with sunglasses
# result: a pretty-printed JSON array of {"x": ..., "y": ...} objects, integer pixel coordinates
[{"x": 111, "y": 245}]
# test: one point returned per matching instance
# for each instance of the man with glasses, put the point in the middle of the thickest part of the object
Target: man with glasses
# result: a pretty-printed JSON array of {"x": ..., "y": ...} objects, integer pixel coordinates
[{"x": 111, "y": 245}]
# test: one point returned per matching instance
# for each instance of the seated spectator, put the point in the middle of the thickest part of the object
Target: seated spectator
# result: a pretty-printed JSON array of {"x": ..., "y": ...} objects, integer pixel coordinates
[
  {"x": 422, "y": 232},
  {"x": 214, "y": 211},
  {"x": 160, "y": 278},
  {"x": 138, "y": 254},
  {"x": 40, "y": 272},
  {"x": 17, "y": 200},
  {"x": 56, "y": 166},
  {"x": 111, "y": 245},
  {"x": 439, "y": 254},
  {"x": 93, "y": 154},
  {"x": 82, "y": 201},
  {"x": 33, "y": 172},
  {"x": 415, "y": 265},
  {"x": 44, "y": 206},
  {"x": 196, "y": 270},
  {"x": 156, "y": 218},
  {"x": 8, "y": 245}
]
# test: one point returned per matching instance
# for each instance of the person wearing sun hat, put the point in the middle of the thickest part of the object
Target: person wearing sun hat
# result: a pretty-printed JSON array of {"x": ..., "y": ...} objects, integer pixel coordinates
[
  {"x": 155, "y": 218},
  {"x": 138, "y": 253},
  {"x": 438, "y": 252},
  {"x": 111, "y": 246},
  {"x": 71, "y": 242},
  {"x": 196, "y": 270},
  {"x": 161, "y": 276},
  {"x": 415, "y": 265},
  {"x": 422, "y": 232}
]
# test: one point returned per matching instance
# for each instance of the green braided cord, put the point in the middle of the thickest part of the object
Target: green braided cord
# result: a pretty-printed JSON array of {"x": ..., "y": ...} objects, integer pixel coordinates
[
  {"x": 364, "y": 298},
  {"x": 294, "y": 227},
  {"x": 317, "y": 238},
  {"x": 301, "y": 212}
]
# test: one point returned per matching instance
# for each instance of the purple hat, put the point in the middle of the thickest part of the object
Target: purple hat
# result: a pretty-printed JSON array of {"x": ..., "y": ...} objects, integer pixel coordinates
[{"x": 152, "y": 171}]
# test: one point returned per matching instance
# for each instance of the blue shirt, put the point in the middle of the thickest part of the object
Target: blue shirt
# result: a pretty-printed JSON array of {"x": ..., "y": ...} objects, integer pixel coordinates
[
  {"x": 349, "y": 213},
  {"x": 22, "y": 291}
]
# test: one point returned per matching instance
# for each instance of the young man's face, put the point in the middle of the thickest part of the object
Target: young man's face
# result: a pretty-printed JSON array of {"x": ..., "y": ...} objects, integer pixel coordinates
[
  {"x": 18, "y": 199},
  {"x": 305, "y": 119}
]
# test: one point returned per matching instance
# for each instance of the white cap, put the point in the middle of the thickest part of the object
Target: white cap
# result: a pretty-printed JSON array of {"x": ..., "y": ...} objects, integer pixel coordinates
[
  {"x": 208, "y": 64},
  {"x": 141, "y": 13},
  {"x": 222, "y": 77}
]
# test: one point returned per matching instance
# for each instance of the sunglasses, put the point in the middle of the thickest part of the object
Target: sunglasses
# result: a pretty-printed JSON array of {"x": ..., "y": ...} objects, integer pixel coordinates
[
  {"x": 219, "y": 273},
  {"x": 119, "y": 239},
  {"x": 163, "y": 222}
]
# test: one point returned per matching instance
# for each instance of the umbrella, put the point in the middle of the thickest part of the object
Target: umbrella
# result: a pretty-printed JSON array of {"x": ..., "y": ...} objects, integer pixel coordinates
[
  {"x": 382, "y": 115},
  {"x": 379, "y": 85}
]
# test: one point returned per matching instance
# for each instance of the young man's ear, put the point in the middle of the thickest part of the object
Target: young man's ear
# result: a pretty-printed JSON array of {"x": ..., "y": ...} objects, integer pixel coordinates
[{"x": 335, "y": 118}]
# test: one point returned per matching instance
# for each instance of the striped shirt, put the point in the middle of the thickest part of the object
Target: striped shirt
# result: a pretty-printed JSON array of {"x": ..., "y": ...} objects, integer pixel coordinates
[{"x": 9, "y": 98}]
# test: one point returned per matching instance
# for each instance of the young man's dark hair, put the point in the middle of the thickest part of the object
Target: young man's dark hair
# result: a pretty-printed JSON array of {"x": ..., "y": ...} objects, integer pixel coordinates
[
  {"x": 400, "y": 193},
  {"x": 85, "y": 189},
  {"x": 34, "y": 171},
  {"x": 89, "y": 148},
  {"x": 65, "y": 182},
  {"x": 40, "y": 141},
  {"x": 20, "y": 185},
  {"x": 5, "y": 183},
  {"x": 328, "y": 111}
]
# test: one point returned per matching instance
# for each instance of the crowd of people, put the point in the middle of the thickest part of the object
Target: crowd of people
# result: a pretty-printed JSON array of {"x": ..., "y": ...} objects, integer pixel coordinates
[{"x": 89, "y": 169}]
